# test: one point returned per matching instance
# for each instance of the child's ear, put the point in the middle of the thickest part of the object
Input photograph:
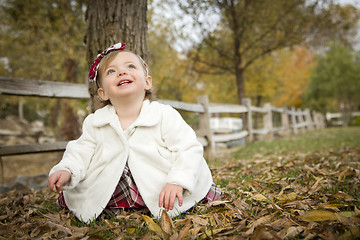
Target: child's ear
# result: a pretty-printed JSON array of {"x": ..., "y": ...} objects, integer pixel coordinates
[
  {"x": 148, "y": 82},
  {"x": 102, "y": 94}
]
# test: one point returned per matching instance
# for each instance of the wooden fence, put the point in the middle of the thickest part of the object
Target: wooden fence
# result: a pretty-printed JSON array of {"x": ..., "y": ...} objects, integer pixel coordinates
[
  {"x": 290, "y": 120},
  {"x": 337, "y": 118}
]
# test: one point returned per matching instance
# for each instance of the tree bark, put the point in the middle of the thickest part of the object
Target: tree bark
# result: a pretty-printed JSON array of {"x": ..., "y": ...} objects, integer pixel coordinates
[
  {"x": 109, "y": 22},
  {"x": 240, "y": 84}
]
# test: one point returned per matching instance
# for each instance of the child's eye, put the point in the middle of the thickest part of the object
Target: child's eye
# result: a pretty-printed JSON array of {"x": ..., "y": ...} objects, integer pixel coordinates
[
  {"x": 131, "y": 66},
  {"x": 110, "y": 71}
]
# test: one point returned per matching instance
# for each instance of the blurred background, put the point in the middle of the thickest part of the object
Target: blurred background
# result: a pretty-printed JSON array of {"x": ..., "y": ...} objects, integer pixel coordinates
[{"x": 294, "y": 53}]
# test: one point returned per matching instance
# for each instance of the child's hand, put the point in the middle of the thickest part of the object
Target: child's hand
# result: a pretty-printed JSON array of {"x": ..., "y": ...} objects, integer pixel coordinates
[
  {"x": 57, "y": 180},
  {"x": 168, "y": 194}
]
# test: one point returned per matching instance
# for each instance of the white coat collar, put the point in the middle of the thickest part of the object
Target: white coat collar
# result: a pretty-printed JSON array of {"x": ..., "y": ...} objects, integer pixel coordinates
[{"x": 149, "y": 115}]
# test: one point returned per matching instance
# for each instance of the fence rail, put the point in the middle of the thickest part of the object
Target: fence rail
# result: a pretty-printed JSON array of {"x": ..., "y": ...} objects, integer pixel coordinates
[
  {"x": 291, "y": 120},
  {"x": 337, "y": 118}
]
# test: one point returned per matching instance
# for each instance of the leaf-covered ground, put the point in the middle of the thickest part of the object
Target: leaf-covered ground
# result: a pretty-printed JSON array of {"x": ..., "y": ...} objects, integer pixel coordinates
[{"x": 291, "y": 196}]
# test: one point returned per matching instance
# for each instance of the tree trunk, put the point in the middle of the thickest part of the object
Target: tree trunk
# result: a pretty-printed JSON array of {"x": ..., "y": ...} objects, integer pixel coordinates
[
  {"x": 240, "y": 84},
  {"x": 109, "y": 22},
  {"x": 70, "y": 126}
]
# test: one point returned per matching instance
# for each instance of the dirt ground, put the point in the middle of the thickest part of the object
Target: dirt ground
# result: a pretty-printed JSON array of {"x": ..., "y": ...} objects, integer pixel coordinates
[
  {"x": 28, "y": 165},
  {"x": 12, "y": 132}
]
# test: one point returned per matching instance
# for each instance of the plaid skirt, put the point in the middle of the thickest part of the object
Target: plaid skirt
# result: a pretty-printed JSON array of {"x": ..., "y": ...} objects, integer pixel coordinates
[{"x": 127, "y": 195}]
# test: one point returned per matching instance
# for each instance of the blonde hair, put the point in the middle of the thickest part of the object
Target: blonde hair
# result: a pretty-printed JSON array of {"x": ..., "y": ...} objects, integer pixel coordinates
[{"x": 106, "y": 61}]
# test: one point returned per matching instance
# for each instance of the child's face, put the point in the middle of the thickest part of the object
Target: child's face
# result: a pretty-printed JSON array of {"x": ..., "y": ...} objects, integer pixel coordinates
[{"x": 124, "y": 77}]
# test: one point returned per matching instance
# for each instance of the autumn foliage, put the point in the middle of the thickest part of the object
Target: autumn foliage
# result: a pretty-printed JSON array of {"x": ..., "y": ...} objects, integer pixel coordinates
[{"x": 288, "y": 196}]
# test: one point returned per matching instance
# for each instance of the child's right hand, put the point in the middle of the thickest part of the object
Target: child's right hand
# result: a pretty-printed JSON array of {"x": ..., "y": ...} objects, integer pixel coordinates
[{"x": 57, "y": 180}]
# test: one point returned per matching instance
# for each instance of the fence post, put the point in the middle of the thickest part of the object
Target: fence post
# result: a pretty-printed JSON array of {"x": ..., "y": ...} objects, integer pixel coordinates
[
  {"x": 317, "y": 121},
  {"x": 309, "y": 121},
  {"x": 204, "y": 128},
  {"x": 300, "y": 114},
  {"x": 323, "y": 120},
  {"x": 268, "y": 124},
  {"x": 285, "y": 121},
  {"x": 293, "y": 120},
  {"x": 248, "y": 118}
]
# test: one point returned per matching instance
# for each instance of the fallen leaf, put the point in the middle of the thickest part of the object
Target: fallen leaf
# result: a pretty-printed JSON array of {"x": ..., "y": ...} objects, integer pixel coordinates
[
  {"x": 210, "y": 233},
  {"x": 293, "y": 231},
  {"x": 343, "y": 196},
  {"x": 346, "y": 173},
  {"x": 258, "y": 222},
  {"x": 218, "y": 202},
  {"x": 318, "y": 216},
  {"x": 357, "y": 211},
  {"x": 353, "y": 233},
  {"x": 284, "y": 198},
  {"x": 154, "y": 227},
  {"x": 260, "y": 197},
  {"x": 198, "y": 220},
  {"x": 347, "y": 214},
  {"x": 316, "y": 186},
  {"x": 166, "y": 223},
  {"x": 185, "y": 230}
]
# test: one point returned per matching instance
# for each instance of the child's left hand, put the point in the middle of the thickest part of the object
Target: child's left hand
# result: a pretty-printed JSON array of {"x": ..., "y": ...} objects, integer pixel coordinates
[{"x": 168, "y": 194}]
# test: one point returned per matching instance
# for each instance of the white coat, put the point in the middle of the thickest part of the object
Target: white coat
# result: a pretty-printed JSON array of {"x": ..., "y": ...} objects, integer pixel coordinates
[{"x": 159, "y": 147}]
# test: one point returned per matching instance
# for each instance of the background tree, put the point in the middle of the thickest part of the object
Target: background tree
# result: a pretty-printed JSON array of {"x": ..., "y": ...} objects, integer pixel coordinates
[
  {"x": 335, "y": 82},
  {"x": 109, "y": 22},
  {"x": 292, "y": 71},
  {"x": 249, "y": 30}
]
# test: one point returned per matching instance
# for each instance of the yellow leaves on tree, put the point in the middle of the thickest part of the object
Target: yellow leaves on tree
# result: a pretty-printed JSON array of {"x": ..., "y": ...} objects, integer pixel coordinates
[
  {"x": 280, "y": 78},
  {"x": 293, "y": 77}
]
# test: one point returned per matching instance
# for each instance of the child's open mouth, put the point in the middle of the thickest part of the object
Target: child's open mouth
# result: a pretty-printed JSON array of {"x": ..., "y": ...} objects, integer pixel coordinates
[{"x": 124, "y": 82}]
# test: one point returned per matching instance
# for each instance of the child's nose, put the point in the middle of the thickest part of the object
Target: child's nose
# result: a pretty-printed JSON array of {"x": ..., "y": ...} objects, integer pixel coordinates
[{"x": 122, "y": 73}]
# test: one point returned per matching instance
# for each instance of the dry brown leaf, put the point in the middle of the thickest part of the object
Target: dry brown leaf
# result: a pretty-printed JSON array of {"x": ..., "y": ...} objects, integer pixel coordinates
[
  {"x": 179, "y": 222},
  {"x": 154, "y": 227},
  {"x": 35, "y": 232},
  {"x": 166, "y": 223},
  {"x": 346, "y": 173},
  {"x": 255, "y": 183},
  {"x": 196, "y": 230},
  {"x": 285, "y": 198},
  {"x": 318, "y": 216},
  {"x": 357, "y": 211},
  {"x": 210, "y": 233},
  {"x": 260, "y": 197},
  {"x": 316, "y": 186},
  {"x": 352, "y": 233},
  {"x": 198, "y": 220},
  {"x": 334, "y": 207},
  {"x": 258, "y": 222},
  {"x": 232, "y": 185},
  {"x": 344, "y": 219},
  {"x": 343, "y": 196},
  {"x": 293, "y": 231},
  {"x": 261, "y": 233},
  {"x": 218, "y": 203},
  {"x": 184, "y": 233},
  {"x": 347, "y": 214}
]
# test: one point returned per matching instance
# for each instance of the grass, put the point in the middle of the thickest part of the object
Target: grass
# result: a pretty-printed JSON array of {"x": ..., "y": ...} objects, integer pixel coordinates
[{"x": 310, "y": 141}]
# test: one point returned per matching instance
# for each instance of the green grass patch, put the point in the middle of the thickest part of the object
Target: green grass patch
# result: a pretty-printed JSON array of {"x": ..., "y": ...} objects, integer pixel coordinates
[{"x": 310, "y": 141}]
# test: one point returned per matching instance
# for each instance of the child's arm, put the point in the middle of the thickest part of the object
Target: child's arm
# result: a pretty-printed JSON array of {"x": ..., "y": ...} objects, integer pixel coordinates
[
  {"x": 186, "y": 151},
  {"x": 168, "y": 194},
  {"x": 57, "y": 180},
  {"x": 76, "y": 158}
]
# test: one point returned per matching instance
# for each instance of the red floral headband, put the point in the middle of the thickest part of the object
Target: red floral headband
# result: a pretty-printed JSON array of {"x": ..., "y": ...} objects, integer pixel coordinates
[{"x": 95, "y": 65}]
